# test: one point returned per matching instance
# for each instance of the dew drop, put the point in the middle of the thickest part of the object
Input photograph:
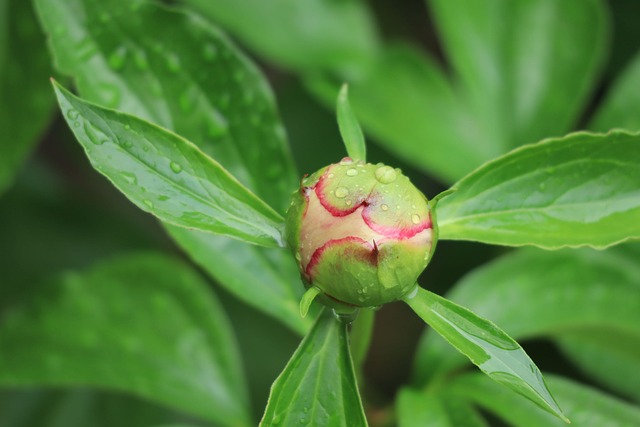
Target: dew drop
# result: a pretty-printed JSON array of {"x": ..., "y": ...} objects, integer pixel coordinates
[
  {"x": 352, "y": 172},
  {"x": 93, "y": 135},
  {"x": 384, "y": 207},
  {"x": 341, "y": 192},
  {"x": 127, "y": 144},
  {"x": 130, "y": 178},
  {"x": 175, "y": 167},
  {"x": 140, "y": 59},
  {"x": 330, "y": 176},
  {"x": 148, "y": 203},
  {"x": 415, "y": 218},
  {"x": 127, "y": 127},
  {"x": 385, "y": 174},
  {"x": 346, "y": 161},
  {"x": 348, "y": 202},
  {"x": 117, "y": 58},
  {"x": 86, "y": 49},
  {"x": 72, "y": 114}
]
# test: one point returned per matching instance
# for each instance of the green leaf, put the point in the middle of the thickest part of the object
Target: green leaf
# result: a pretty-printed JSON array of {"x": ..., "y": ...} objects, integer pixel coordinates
[
  {"x": 609, "y": 356},
  {"x": 168, "y": 176},
  {"x": 141, "y": 59},
  {"x": 526, "y": 68},
  {"x": 225, "y": 106},
  {"x": 621, "y": 103},
  {"x": 487, "y": 346},
  {"x": 79, "y": 408},
  {"x": 349, "y": 127},
  {"x": 579, "y": 190},
  {"x": 417, "y": 408},
  {"x": 318, "y": 385},
  {"x": 267, "y": 279},
  {"x": 586, "y": 407},
  {"x": 305, "y": 35},
  {"x": 25, "y": 101},
  {"x": 531, "y": 292},
  {"x": 149, "y": 327},
  {"x": 361, "y": 335},
  {"x": 425, "y": 126}
]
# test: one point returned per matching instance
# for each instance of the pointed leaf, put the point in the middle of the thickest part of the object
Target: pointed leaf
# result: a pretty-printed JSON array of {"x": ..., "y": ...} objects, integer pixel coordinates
[
  {"x": 168, "y": 176},
  {"x": 579, "y": 190},
  {"x": 318, "y": 385},
  {"x": 26, "y": 102},
  {"x": 349, "y": 127},
  {"x": 149, "y": 327},
  {"x": 124, "y": 58},
  {"x": 585, "y": 406},
  {"x": 530, "y": 293},
  {"x": 427, "y": 125},
  {"x": 226, "y": 107},
  {"x": 487, "y": 346}
]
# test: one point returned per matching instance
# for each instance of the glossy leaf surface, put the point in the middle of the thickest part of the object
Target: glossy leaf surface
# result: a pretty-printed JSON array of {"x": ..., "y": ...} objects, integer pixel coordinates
[
  {"x": 318, "y": 385},
  {"x": 26, "y": 102},
  {"x": 486, "y": 346},
  {"x": 417, "y": 408},
  {"x": 226, "y": 117},
  {"x": 537, "y": 293},
  {"x": 618, "y": 110},
  {"x": 585, "y": 406},
  {"x": 140, "y": 58},
  {"x": 149, "y": 327},
  {"x": 267, "y": 279},
  {"x": 579, "y": 190},
  {"x": 524, "y": 68},
  {"x": 303, "y": 34},
  {"x": 168, "y": 176}
]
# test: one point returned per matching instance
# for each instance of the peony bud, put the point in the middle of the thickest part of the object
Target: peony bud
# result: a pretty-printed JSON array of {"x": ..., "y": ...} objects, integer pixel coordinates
[{"x": 361, "y": 233}]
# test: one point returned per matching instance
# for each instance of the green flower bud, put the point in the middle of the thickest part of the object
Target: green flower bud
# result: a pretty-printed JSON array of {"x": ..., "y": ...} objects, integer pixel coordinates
[{"x": 361, "y": 233}]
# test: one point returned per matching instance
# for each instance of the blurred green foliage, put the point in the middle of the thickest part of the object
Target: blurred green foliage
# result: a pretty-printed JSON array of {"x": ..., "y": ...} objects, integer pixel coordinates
[{"x": 432, "y": 99}]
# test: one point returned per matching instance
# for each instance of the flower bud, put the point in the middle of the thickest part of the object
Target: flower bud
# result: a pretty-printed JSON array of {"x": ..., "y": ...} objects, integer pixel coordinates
[{"x": 361, "y": 233}]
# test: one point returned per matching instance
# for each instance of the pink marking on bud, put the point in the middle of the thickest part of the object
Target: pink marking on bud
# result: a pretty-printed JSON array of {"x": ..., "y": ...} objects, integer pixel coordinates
[
  {"x": 334, "y": 210},
  {"x": 398, "y": 232},
  {"x": 368, "y": 253}
]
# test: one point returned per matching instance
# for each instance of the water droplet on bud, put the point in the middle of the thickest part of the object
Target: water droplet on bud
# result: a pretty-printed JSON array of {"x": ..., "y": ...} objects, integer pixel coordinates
[
  {"x": 341, "y": 192},
  {"x": 352, "y": 172},
  {"x": 384, "y": 207},
  {"x": 415, "y": 218},
  {"x": 385, "y": 174},
  {"x": 175, "y": 167}
]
